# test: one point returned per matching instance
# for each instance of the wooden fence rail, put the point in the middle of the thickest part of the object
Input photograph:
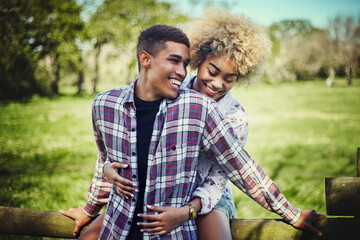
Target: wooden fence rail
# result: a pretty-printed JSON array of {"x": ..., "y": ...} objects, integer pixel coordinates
[
  {"x": 342, "y": 199},
  {"x": 52, "y": 224},
  {"x": 31, "y": 222}
]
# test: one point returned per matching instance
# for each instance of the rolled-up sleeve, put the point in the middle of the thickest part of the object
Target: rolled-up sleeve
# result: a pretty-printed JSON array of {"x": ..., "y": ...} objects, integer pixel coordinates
[{"x": 99, "y": 190}]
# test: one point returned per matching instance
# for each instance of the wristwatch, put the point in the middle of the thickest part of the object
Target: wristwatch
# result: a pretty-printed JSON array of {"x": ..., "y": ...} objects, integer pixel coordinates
[{"x": 192, "y": 211}]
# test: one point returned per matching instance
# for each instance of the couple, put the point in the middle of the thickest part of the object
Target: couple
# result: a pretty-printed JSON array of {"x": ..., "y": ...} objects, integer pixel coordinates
[{"x": 167, "y": 149}]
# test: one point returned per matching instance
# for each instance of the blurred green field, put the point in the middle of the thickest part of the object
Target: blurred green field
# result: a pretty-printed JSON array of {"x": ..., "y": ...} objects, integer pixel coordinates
[{"x": 300, "y": 133}]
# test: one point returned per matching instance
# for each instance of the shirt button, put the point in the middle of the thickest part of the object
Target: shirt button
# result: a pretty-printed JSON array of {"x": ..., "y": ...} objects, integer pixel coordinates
[
  {"x": 133, "y": 200},
  {"x": 133, "y": 129},
  {"x": 129, "y": 222},
  {"x": 173, "y": 148},
  {"x": 134, "y": 176},
  {"x": 133, "y": 153}
]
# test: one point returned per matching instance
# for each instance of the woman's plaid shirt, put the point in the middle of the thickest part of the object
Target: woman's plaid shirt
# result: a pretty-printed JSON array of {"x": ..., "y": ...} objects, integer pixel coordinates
[{"x": 182, "y": 127}]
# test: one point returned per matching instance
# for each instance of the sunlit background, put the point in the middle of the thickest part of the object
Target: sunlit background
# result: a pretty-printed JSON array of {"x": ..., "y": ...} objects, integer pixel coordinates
[
  {"x": 304, "y": 111},
  {"x": 268, "y": 12}
]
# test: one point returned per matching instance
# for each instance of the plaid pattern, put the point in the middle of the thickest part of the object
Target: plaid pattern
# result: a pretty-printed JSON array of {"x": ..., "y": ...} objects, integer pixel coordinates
[
  {"x": 183, "y": 127},
  {"x": 211, "y": 178},
  {"x": 99, "y": 190}
]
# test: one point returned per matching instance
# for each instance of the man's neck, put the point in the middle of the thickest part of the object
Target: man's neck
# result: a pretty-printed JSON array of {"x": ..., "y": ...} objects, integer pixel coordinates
[{"x": 142, "y": 91}]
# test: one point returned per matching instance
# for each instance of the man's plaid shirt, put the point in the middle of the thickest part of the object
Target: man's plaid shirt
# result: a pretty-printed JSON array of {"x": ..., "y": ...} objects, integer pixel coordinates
[{"x": 182, "y": 127}]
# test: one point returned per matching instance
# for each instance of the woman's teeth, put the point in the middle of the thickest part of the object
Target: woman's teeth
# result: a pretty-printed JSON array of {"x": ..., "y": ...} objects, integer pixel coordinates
[{"x": 211, "y": 91}]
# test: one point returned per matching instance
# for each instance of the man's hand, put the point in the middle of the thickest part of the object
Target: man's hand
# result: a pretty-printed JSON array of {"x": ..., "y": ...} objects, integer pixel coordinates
[
  {"x": 168, "y": 219},
  {"x": 124, "y": 187},
  {"x": 306, "y": 220},
  {"x": 81, "y": 219}
]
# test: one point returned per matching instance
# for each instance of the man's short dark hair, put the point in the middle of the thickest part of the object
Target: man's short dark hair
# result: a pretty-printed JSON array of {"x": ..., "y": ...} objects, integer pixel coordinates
[{"x": 153, "y": 39}]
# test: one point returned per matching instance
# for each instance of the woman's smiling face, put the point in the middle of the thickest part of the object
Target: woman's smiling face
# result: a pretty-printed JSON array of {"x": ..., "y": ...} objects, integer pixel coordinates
[{"x": 215, "y": 77}]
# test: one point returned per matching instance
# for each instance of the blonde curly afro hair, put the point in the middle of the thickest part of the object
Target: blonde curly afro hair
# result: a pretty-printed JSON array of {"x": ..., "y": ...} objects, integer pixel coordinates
[{"x": 235, "y": 37}]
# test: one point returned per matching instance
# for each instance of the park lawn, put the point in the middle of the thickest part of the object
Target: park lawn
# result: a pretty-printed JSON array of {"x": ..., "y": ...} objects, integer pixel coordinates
[
  {"x": 300, "y": 133},
  {"x": 47, "y": 152}
]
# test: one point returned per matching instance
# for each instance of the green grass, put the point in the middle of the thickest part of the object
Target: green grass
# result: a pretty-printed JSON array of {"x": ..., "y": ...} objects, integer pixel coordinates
[{"x": 300, "y": 133}]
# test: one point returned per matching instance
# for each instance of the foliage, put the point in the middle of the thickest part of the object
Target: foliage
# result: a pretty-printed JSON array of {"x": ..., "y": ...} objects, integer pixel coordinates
[
  {"x": 293, "y": 55},
  {"x": 301, "y": 51},
  {"x": 344, "y": 32},
  {"x": 30, "y": 31},
  {"x": 119, "y": 23}
]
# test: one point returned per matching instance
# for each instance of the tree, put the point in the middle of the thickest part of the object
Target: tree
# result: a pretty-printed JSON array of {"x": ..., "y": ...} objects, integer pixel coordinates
[
  {"x": 296, "y": 53},
  {"x": 66, "y": 27},
  {"x": 119, "y": 22},
  {"x": 344, "y": 32},
  {"x": 30, "y": 31}
]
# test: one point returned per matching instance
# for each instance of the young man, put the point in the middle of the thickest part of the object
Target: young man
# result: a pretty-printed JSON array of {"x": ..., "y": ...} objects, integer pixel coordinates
[{"x": 157, "y": 131}]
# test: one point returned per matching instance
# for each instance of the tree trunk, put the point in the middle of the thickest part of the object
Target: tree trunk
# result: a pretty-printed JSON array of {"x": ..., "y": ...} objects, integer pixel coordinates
[
  {"x": 349, "y": 73},
  {"x": 55, "y": 76},
  {"x": 96, "y": 74},
  {"x": 80, "y": 82},
  {"x": 331, "y": 77}
]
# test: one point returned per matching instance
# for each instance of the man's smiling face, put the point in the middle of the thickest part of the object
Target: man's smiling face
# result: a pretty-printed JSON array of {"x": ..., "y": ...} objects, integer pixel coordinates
[{"x": 167, "y": 71}]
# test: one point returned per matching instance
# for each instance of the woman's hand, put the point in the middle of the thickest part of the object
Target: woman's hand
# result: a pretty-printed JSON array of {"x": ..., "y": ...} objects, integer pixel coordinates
[
  {"x": 168, "y": 219},
  {"x": 306, "y": 220},
  {"x": 81, "y": 219},
  {"x": 124, "y": 187}
]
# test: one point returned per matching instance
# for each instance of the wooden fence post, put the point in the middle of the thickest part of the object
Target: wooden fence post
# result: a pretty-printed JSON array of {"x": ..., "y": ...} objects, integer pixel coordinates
[{"x": 342, "y": 196}]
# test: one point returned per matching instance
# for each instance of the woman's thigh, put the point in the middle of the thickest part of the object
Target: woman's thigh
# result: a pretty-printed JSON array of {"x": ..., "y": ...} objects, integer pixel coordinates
[
  {"x": 92, "y": 232},
  {"x": 214, "y": 225}
]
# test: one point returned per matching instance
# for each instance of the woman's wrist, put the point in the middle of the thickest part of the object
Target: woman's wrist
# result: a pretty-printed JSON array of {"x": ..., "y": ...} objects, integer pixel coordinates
[
  {"x": 190, "y": 210},
  {"x": 185, "y": 213},
  {"x": 196, "y": 202}
]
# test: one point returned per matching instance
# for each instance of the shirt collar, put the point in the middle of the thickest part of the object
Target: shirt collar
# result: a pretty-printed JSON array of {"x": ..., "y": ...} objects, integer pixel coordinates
[{"x": 129, "y": 97}]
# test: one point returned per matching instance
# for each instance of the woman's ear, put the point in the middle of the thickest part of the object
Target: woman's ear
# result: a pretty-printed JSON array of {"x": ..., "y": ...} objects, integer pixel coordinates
[{"x": 145, "y": 59}]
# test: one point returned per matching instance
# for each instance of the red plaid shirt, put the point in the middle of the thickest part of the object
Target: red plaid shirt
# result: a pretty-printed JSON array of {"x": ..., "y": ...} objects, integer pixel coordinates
[{"x": 183, "y": 127}]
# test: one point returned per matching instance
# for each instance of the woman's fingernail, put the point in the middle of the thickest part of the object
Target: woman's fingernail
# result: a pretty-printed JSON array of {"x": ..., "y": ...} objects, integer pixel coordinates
[
  {"x": 148, "y": 206},
  {"x": 125, "y": 165}
]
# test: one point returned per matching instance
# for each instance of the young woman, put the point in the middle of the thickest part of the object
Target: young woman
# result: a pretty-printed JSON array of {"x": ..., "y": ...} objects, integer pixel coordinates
[{"x": 226, "y": 50}]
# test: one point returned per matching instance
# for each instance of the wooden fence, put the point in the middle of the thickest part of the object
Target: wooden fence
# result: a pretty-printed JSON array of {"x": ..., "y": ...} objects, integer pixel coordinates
[{"x": 342, "y": 199}]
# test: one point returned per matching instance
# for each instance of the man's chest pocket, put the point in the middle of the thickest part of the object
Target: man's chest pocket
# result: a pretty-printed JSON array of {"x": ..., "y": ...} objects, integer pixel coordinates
[{"x": 178, "y": 162}]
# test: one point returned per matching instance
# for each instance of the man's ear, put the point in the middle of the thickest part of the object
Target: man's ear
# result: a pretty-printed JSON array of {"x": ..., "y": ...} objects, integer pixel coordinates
[{"x": 145, "y": 59}]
